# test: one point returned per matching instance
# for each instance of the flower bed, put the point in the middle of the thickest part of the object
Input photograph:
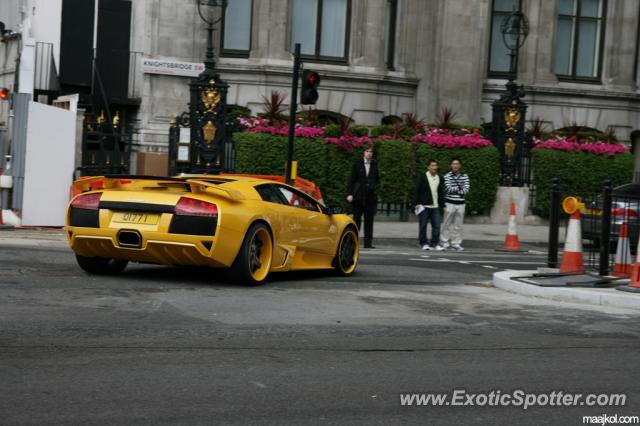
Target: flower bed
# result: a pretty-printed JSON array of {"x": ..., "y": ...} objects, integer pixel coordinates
[
  {"x": 561, "y": 143},
  {"x": 442, "y": 138}
]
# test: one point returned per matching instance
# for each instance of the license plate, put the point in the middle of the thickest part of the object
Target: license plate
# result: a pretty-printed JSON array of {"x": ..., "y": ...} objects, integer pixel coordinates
[{"x": 136, "y": 218}]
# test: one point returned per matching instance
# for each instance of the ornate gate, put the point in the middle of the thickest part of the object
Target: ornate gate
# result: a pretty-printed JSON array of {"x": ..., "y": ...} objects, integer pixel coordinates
[
  {"x": 106, "y": 147},
  {"x": 508, "y": 135}
]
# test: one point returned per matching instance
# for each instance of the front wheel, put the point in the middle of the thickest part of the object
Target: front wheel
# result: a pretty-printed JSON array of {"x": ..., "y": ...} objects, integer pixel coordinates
[
  {"x": 347, "y": 254},
  {"x": 101, "y": 265},
  {"x": 253, "y": 262}
]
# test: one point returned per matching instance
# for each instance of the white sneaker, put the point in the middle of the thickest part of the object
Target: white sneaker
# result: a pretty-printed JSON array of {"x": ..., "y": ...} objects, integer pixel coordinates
[
  {"x": 457, "y": 247},
  {"x": 444, "y": 246},
  {"x": 426, "y": 247},
  {"x": 438, "y": 248}
]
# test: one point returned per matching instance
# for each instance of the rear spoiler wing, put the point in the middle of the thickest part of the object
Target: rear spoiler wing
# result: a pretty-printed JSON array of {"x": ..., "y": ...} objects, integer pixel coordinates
[{"x": 91, "y": 183}]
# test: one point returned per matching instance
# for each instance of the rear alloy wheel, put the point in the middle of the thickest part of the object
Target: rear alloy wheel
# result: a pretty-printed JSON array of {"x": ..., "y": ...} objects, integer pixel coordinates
[
  {"x": 253, "y": 262},
  {"x": 346, "y": 258},
  {"x": 101, "y": 265}
]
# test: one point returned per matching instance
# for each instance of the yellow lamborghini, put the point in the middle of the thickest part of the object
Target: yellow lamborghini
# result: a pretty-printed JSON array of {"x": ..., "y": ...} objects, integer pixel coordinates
[{"x": 248, "y": 225}]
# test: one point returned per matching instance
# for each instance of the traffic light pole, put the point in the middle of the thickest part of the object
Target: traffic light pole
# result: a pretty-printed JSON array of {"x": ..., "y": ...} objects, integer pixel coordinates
[{"x": 292, "y": 112}]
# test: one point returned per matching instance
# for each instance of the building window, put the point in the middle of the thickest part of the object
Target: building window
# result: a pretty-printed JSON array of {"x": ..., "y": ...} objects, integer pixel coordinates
[
  {"x": 236, "y": 28},
  {"x": 390, "y": 33},
  {"x": 321, "y": 27},
  {"x": 579, "y": 39},
  {"x": 499, "y": 54}
]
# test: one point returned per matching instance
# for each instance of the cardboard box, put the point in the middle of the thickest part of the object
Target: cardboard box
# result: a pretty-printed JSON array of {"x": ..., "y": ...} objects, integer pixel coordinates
[{"x": 152, "y": 164}]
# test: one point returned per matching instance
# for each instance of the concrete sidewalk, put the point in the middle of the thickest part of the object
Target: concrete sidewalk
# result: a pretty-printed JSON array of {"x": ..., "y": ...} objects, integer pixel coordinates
[
  {"x": 471, "y": 232},
  {"x": 405, "y": 233}
]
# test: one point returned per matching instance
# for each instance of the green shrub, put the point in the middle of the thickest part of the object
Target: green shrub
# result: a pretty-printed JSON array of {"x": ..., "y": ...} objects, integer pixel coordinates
[
  {"x": 332, "y": 131},
  {"x": 580, "y": 174},
  {"x": 359, "y": 131},
  {"x": 260, "y": 153},
  {"x": 396, "y": 165},
  {"x": 311, "y": 155},
  {"x": 482, "y": 165},
  {"x": 381, "y": 130},
  {"x": 337, "y": 171}
]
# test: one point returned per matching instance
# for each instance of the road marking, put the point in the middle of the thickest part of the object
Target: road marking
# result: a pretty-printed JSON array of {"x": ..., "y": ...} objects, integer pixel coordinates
[
  {"x": 489, "y": 267},
  {"x": 467, "y": 253},
  {"x": 478, "y": 261}
]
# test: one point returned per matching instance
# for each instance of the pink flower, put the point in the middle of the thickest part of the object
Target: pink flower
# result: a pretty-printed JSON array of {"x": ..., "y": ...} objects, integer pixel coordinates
[
  {"x": 561, "y": 143},
  {"x": 299, "y": 131},
  {"x": 348, "y": 142},
  {"x": 439, "y": 139}
]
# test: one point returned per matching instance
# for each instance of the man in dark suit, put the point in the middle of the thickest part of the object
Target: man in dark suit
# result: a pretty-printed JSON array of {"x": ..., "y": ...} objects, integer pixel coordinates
[
  {"x": 428, "y": 199},
  {"x": 361, "y": 193}
]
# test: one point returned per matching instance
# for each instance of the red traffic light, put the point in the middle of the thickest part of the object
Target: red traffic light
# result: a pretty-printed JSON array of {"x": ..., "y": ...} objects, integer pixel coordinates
[
  {"x": 4, "y": 94},
  {"x": 310, "y": 82},
  {"x": 310, "y": 79}
]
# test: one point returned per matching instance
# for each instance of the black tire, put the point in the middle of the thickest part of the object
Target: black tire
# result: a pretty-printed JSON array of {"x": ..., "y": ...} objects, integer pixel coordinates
[
  {"x": 347, "y": 254},
  {"x": 253, "y": 262},
  {"x": 101, "y": 265}
]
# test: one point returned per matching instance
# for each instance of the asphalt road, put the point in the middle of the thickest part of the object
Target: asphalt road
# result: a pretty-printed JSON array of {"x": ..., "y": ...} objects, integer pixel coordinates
[{"x": 160, "y": 345}]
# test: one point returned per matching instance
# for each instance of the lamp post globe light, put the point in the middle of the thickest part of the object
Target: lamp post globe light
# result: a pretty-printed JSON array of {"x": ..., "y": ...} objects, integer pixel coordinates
[
  {"x": 210, "y": 21},
  {"x": 208, "y": 100},
  {"x": 515, "y": 30}
]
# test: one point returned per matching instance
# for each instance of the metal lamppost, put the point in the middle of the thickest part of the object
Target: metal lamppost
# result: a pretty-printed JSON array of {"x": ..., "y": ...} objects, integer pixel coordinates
[
  {"x": 509, "y": 111},
  {"x": 207, "y": 104}
]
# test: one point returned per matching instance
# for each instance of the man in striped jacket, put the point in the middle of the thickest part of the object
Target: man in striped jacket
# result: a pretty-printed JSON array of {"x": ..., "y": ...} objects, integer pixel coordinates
[{"x": 456, "y": 186}]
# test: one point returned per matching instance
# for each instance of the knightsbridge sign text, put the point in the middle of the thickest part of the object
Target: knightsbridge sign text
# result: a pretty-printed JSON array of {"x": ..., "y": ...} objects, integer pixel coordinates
[{"x": 169, "y": 67}]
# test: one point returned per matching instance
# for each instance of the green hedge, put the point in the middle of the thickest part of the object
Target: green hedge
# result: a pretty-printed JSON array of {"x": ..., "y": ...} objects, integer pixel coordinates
[
  {"x": 398, "y": 161},
  {"x": 580, "y": 174},
  {"x": 397, "y": 170}
]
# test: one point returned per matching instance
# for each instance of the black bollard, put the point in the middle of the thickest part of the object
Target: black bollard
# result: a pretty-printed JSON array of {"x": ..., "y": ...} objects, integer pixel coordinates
[
  {"x": 605, "y": 228},
  {"x": 554, "y": 223}
]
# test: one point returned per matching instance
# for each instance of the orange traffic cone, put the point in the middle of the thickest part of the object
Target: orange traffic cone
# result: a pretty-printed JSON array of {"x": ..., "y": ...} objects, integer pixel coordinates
[
  {"x": 635, "y": 274},
  {"x": 511, "y": 241},
  {"x": 634, "y": 284},
  {"x": 622, "y": 265},
  {"x": 572, "y": 258}
]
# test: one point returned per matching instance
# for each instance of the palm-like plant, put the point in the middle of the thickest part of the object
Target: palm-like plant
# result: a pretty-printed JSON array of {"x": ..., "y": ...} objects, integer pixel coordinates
[
  {"x": 445, "y": 117},
  {"x": 274, "y": 107},
  {"x": 537, "y": 127}
]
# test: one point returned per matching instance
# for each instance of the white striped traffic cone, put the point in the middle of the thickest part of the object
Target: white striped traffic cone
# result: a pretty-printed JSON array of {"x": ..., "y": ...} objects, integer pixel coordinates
[
  {"x": 572, "y": 260},
  {"x": 511, "y": 241},
  {"x": 623, "y": 264}
]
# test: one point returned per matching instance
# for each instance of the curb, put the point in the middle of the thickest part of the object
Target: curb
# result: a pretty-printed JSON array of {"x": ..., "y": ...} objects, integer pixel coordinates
[{"x": 593, "y": 296}]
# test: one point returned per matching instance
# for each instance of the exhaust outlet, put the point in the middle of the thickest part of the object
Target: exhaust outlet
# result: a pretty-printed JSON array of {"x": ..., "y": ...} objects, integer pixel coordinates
[{"x": 131, "y": 239}]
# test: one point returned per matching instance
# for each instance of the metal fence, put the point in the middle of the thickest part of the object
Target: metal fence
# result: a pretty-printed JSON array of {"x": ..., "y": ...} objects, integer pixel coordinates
[{"x": 608, "y": 218}]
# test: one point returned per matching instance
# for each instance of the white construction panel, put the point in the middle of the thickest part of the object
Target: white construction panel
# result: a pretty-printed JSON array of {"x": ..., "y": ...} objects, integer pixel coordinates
[{"x": 49, "y": 163}]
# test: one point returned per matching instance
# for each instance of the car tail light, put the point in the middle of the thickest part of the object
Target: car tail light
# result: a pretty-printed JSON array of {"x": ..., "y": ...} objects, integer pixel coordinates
[
  {"x": 87, "y": 201},
  {"x": 624, "y": 212},
  {"x": 192, "y": 207}
]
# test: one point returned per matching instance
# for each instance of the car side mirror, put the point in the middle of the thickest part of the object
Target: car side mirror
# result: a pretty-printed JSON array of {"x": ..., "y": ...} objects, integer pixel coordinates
[{"x": 334, "y": 210}]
